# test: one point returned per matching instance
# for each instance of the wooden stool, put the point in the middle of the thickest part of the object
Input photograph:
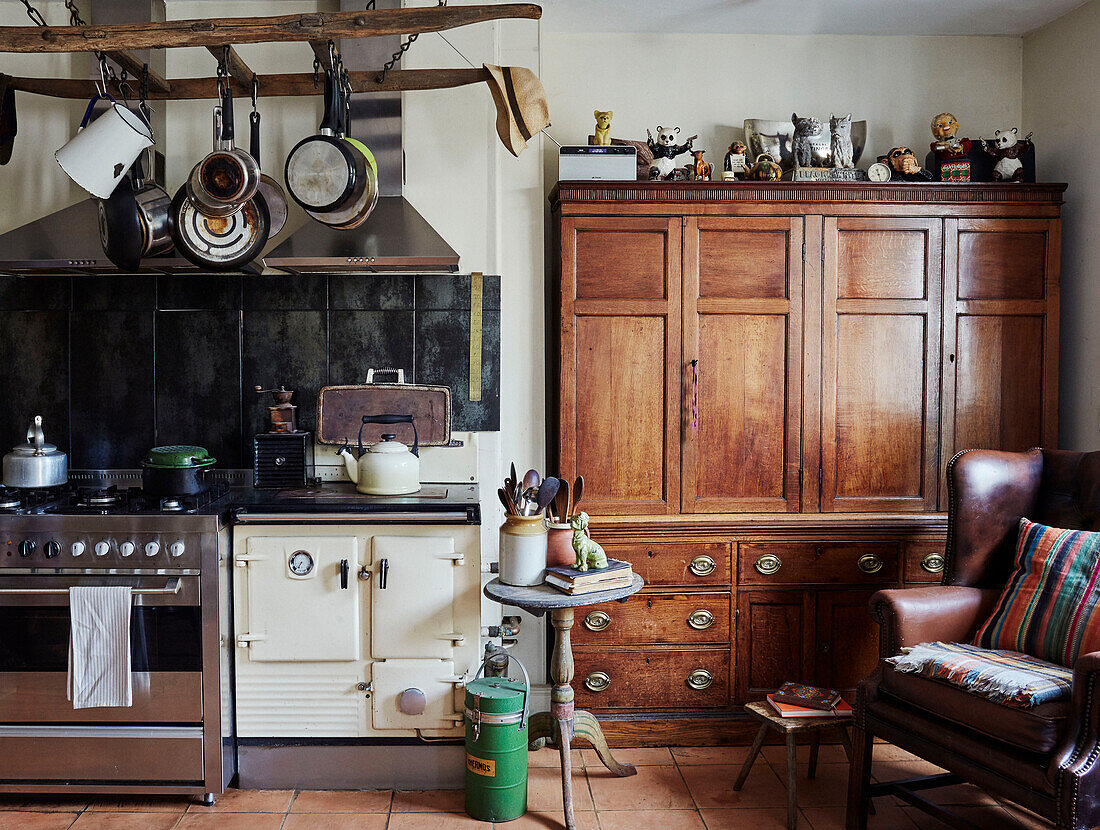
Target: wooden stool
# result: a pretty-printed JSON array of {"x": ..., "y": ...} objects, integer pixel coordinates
[{"x": 790, "y": 727}]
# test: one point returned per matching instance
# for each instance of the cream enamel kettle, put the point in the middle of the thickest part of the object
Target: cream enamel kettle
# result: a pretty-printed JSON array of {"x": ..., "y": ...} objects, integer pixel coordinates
[{"x": 387, "y": 468}]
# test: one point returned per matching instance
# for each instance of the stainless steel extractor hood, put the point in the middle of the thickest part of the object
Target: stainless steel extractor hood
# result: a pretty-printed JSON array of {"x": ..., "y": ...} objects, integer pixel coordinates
[{"x": 395, "y": 237}]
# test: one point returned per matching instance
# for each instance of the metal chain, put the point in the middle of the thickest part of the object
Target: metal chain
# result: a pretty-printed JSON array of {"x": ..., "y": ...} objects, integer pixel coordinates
[
  {"x": 381, "y": 77},
  {"x": 74, "y": 14},
  {"x": 34, "y": 14}
]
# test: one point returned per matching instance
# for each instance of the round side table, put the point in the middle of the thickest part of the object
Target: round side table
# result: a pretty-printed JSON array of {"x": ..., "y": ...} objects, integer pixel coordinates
[{"x": 562, "y": 723}]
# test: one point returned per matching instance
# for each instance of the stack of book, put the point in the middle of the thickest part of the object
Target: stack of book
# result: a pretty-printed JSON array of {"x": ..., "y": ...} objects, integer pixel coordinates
[
  {"x": 617, "y": 574},
  {"x": 795, "y": 700}
]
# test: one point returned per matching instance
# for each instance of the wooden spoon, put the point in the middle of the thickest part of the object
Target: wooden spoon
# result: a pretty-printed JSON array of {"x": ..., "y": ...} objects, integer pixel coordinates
[
  {"x": 578, "y": 492},
  {"x": 506, "y": 500},
  {"x": 561, "y": 502}
]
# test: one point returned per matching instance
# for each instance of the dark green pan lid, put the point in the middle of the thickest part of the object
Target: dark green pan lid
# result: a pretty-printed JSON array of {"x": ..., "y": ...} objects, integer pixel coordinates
[
  {"x": 177, "y": 457},
  {"x": 495, "y": 694}
]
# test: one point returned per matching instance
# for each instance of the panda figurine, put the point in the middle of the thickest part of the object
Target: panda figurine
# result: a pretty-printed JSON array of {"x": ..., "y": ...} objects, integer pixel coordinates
[
  {"x": 665, "y": 150},
  {"x": 1007, "y": 149}
]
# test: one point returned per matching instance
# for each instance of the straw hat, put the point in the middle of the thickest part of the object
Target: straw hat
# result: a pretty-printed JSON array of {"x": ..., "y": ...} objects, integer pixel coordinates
[{"x": 522, "y": 110}]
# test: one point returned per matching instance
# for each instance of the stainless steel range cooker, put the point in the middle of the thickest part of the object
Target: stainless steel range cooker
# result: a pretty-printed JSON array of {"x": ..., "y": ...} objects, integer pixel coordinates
[{"x": 97, "y": 530}]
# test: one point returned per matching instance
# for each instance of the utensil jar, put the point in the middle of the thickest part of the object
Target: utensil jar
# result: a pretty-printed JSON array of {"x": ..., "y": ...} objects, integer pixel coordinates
[
  {"x": 522, "y": 550},
  {"x": 559, "y": 545}
]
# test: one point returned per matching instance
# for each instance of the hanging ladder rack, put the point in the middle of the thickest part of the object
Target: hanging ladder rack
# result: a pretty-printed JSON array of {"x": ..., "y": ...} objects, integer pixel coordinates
[{"x": 216, "y": 34}]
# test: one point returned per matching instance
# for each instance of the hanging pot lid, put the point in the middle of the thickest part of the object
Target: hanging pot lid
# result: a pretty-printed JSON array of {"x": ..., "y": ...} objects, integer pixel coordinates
[{"x": 177, "y": 457}]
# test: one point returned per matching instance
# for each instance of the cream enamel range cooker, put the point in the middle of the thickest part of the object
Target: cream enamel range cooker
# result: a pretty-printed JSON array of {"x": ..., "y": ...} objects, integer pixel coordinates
[{"x": 356, "y": 622}]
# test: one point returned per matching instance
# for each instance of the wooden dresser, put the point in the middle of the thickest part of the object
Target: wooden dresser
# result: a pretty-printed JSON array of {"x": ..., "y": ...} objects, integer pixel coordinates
[{"x": 762, "y": 384}]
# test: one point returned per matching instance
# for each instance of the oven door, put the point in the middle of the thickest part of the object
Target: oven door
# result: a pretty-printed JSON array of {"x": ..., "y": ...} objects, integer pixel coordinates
[{"x": 165, "y": 646}]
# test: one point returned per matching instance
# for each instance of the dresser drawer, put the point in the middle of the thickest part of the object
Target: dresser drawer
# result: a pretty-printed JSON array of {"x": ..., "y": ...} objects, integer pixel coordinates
[
  {"x": 652, "y": 679},
  {"x": 833, "y": 563},
  {"x": 676, "y": 563},
  {"x": 657, "y": 618},
  {"x": 924, "y": 561}
]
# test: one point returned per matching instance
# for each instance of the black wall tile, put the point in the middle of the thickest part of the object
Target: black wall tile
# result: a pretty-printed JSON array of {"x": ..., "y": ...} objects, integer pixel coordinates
[
  {"x": 37, "y": 293},
  {"x": 114, "y": 293},
  {"x": 34, "y": 351},
  {"x": 362, "y": 340},
  {"x": 443, "y": 291},
  {"x": 443, "y": 357},
  {"x": 201, "y": 291},
  {"x": 308, "y": 293},
  {"x": 111, "y": 392},
  {"x": 370, "y": 291},
  {"x": 282, "y": 347},
  {"x": 198, "y": 384}
]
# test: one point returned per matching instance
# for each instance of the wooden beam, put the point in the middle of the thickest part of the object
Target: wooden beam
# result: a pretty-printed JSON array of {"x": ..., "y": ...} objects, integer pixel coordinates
[
  {"x": 284, "y": 29},
  {"x": 320, "y": 49},
  {"x": 134, "y": 65},
  {"x": 238, "y": 69},
  {"x": 397, "y": 80}
]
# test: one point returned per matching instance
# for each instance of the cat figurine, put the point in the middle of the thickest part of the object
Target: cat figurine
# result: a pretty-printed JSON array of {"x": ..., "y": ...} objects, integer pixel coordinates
[
  {"x": 805, "y": 130},
  {"x": 841, "y": 141}
]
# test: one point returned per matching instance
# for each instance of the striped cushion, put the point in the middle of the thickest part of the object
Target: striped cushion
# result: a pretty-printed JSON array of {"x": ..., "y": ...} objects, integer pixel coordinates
[{"x": 1049, "y": 608}]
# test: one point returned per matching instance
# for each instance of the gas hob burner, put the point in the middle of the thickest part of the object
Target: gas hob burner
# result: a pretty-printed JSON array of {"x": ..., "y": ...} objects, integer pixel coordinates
[
  {"x": 171, "y": 505},
  {"x": 98, "y": 496},
  {"x": 10, "y": 498}
]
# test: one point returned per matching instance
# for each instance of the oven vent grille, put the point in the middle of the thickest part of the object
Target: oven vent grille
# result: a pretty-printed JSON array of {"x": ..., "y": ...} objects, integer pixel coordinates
[{"x": 281, "y": 460}]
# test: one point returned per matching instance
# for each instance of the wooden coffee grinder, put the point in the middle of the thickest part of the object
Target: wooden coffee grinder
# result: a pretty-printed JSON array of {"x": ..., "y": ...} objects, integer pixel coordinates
[{"x": 284, "y": 414}]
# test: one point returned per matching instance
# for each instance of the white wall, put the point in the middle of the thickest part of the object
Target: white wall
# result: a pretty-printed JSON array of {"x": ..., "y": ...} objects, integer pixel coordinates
[
  {"x": 709, "y": 84},
  {"x": 1061, "y": 103}
]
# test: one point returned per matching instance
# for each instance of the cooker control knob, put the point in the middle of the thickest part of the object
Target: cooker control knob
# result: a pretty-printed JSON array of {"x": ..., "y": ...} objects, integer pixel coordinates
[
  {"x": 26, "y": 548},
  {"x": 53, "y": 550},
  {"x": 152, "y": 548},
  {"x": 176, "y": 548},
  {"x": 102, "y": 548},
  {"x": 78, "y": 548},
  {"x": 126, "y": 548}
]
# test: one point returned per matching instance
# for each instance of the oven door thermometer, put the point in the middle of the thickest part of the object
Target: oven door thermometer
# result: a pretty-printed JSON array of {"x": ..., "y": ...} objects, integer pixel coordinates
[{"x": 300, "y": 563}]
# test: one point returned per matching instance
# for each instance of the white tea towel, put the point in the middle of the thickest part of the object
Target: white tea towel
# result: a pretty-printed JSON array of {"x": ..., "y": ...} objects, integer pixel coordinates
[{"x": 99, "y": 646}]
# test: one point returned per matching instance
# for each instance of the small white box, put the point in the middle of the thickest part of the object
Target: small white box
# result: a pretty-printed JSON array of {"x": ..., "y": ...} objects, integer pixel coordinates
[{"x": 617, "y": 162}]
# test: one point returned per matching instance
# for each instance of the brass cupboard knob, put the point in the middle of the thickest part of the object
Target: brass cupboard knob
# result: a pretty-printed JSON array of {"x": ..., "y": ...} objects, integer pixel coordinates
[
  {"x": 870, "y": 563},
  {"x": 597, "y": 620},
  {"x": 701, "y": 619},
  {"x": 932, "y": 563},
  {"x": 702, "y": 566},
  {"x": 700, "y": 679},
  {"x": 768, "y": 564},
  {"x": 597, "y": 681}
]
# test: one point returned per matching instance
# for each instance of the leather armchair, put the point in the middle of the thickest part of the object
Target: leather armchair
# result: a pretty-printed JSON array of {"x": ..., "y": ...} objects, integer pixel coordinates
[{"x": 1046, "y": 759}]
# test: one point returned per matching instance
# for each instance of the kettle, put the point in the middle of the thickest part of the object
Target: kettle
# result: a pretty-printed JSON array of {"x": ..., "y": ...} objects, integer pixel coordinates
[
  {"x": 388, "y": 468},
  {"x": 36, "y": 463}
]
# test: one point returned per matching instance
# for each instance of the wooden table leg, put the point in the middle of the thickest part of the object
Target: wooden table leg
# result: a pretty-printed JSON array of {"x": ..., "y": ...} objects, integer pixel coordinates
[
  {"x": 815, "y": 745},
  {"x": 561, "y": 703},
  {"x": 792, "y": 780},
  {"x": 757, "y": 743}
]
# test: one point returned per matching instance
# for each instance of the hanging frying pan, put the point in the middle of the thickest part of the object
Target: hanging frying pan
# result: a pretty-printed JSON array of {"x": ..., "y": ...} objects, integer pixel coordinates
[
  {"x": 120, "y": 226},
  {"x": 272, "y": 192},
  {"x": 324, "y": 173},
  {"x": 219, "y": 243}
]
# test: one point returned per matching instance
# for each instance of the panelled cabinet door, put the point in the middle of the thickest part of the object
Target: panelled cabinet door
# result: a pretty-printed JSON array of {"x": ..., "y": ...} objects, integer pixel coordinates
[
  {"x": 1000, "y": 367},
  {"x": 880, "y": 363},
  {"x": 620, "y": 362},
  {"x": 775, "y": 631},
  {"x": 742, "y": 368},
  {"x": 412, "y": 598},
  {"x": 847, "y": 640}
]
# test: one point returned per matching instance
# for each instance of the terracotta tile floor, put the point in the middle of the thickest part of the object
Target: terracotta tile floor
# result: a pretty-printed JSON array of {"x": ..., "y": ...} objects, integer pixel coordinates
[{"x": 685, "y": 788}]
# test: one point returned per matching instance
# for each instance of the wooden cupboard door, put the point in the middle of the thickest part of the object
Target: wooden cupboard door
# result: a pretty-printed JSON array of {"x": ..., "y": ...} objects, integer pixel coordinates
[
  {"x": 620, "y": 368},
  {"x": 847, "y": 640},
  {"x": 775, "y": 631},
  {"x": 742, "y": 368},
  {"x": 1000, "y": 365},
  {"x": 881, "y": 322}
]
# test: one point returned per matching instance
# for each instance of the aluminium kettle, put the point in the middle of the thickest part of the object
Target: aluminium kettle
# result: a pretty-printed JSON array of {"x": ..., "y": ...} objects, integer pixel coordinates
[
  {"x": 387, "y": 468},
  {"x": 35, "y": 463}
]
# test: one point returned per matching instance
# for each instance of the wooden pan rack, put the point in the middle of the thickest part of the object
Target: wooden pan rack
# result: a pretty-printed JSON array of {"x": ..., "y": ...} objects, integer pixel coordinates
[{"x": 216, "y": 34}]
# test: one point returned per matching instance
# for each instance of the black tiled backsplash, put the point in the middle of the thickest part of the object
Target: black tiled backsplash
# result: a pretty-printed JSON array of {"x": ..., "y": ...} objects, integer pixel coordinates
[{"x": 117, "y": 364}]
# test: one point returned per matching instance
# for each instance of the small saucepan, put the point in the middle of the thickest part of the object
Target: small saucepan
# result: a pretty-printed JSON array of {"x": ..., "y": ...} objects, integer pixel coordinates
[
  {"x": 227, "y": 177},
  {"x": 176, "y": 470},
  {"x": 154, "y": 207}
]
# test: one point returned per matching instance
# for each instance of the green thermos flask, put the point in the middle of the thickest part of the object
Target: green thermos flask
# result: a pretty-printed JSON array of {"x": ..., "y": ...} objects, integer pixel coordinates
[{"x": 496, "y": 746}]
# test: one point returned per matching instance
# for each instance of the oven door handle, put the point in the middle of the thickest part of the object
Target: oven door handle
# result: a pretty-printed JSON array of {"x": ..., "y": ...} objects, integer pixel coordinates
[{"x": 171, "y": 587}]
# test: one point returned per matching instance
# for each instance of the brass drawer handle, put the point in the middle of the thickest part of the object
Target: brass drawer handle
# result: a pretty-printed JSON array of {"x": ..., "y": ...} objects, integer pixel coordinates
[
  {"x": 700, "y": 679},
  {"x": 932, "y": 563},
  {"x": 700, "y": 620},
  {"x": 870, "y": 563},
  {"x": 597, "y": 681},
  {"x": 702, "y": 566},
  {"x": 597, "y": 620},
  {"x": 768, "y": 564}
]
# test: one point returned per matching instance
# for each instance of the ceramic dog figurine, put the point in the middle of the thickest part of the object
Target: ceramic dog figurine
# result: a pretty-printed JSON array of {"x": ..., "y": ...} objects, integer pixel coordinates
[
  {"x": 589, "y": 553},
  {"x": 603, "y": 128}
]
